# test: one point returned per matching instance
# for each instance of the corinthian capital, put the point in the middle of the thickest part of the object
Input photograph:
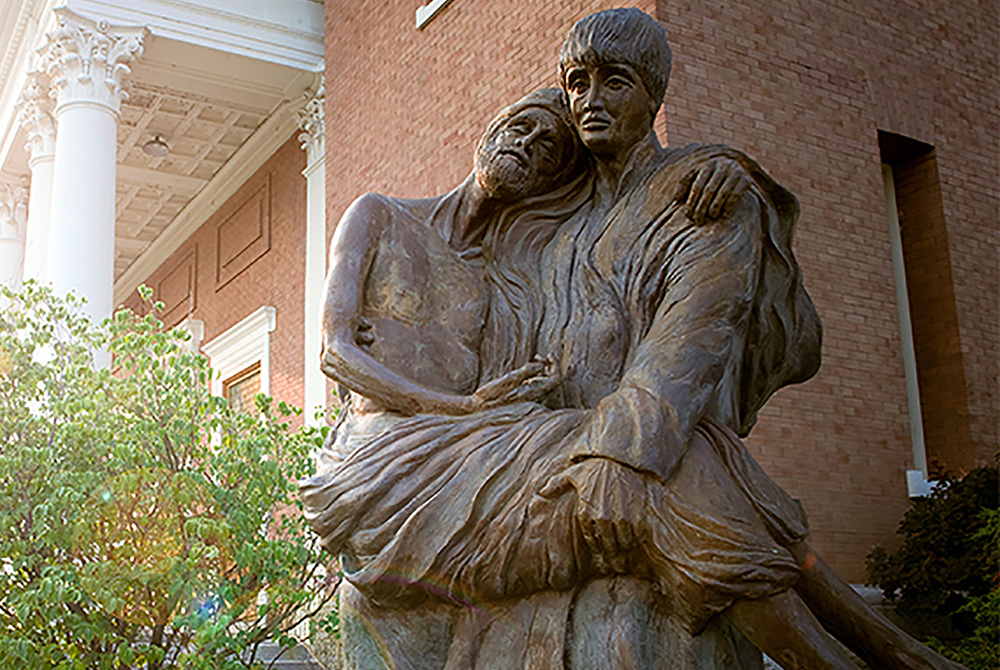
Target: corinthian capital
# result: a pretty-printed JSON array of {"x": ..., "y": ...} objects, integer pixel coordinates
[
  {"x": 88, "y": 61},
  {"x": 13, "y": 208},
  {"x": 311, "y": 122},
  {"x": 34, "y": 113}
]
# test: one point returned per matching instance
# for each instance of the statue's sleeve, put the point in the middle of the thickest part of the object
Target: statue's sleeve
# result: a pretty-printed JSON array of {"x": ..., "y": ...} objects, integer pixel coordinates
[{"x": 706, "y": 284}]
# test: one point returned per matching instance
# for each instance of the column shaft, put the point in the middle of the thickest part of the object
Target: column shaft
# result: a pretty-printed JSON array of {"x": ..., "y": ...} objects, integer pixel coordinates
[
  {"x": 82, "y": 233},
  {"x": 87, "y": 63},
  {"x": 311, "y": 120},
  {"x": 36, "y": 249}
]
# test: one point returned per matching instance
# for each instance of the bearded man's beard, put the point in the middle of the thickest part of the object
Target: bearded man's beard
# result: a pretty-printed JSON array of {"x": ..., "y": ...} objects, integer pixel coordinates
[{"x": 501, "y": 175}]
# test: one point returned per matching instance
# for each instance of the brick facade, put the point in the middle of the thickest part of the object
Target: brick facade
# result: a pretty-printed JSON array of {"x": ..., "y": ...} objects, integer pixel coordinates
[
  {"x": 248, "y": 254},
  {"x": 803, "y": 88}
]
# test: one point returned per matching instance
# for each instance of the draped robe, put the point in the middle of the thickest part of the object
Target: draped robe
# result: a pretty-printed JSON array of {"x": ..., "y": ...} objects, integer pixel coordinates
[{"x": 668, "y": 335}]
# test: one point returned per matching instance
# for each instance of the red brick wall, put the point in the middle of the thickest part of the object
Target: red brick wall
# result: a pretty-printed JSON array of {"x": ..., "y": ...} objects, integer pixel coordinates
[
  {"x": 270, "y": 271},
  {"x": 405, "y": 107},
  {"x": 802, "y": 87},
  {"x": 840, "y": 442},
  {"x": 804, "y": 90}
]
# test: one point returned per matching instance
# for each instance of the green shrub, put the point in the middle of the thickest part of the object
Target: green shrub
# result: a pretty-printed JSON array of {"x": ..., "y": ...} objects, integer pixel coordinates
[
  {"x": 943, "y": 578},
  {"x": 144, "y": 522},
  {"x": 981, "y": 649}
]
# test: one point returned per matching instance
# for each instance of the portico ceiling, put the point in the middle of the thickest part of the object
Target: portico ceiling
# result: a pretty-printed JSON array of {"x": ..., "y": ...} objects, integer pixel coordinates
[
  {"x": 204, "y": 116},
  {"x": 204, "y": 101},
  {"x": 202, "y": 134}
]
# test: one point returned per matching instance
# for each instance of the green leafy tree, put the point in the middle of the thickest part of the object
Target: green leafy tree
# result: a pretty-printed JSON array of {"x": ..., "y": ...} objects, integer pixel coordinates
[
  {"x": 143, "y": 522},
  {"x": 943, "y": 579}
]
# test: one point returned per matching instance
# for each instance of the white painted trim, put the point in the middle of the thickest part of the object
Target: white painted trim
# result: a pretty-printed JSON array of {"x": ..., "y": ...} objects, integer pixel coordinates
[
  {"x": 249, "y": 158},
  {"x": 426, "y": 13},
  {"x": 917, "y": 484},
  {"x": 241, "y": 346},
  {"x": 314, "y": 393},
  {"x": 906, "y": 334},
  {"x": 288, "y": 33},
  {"x": 312, "y": 120},
  {"x": 196, "y": 329}
]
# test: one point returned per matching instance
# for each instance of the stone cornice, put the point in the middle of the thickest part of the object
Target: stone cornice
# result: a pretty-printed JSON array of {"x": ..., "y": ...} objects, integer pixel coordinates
[
  {"x": 19, "y": 56},
  {"x": 88, "y": 61},
  {"x": 287, "y": 33},
  {"x": 20, "y": 36}
]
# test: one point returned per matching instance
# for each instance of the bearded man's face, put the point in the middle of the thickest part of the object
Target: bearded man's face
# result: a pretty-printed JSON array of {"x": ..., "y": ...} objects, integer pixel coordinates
[{"x": 525, "y": 155}]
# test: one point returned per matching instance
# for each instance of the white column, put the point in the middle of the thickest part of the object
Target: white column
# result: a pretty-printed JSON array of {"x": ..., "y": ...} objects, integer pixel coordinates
[
  {"x": 35, "y": 115},
  {"x": 311, "y": 120},
  {"x": 88, "y": 64},
  {"x": 13, "y": 221}
]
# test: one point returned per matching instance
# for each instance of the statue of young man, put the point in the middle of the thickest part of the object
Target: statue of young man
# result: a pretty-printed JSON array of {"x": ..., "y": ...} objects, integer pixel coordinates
[{"x": 704, "y": 307}]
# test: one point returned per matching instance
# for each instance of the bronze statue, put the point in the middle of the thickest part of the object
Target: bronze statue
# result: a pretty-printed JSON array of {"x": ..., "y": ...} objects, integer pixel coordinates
[{"x": 549, "y": 369}]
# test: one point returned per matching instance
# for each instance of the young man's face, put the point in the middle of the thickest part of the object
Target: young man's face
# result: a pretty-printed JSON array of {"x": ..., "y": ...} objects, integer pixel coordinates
[
  {"x": 611, "y": 109},
  {"x": 524, "y": 155}
]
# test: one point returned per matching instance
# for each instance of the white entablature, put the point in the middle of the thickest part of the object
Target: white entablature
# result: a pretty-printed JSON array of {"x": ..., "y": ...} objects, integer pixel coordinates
[{"x": 284, "y": 33}]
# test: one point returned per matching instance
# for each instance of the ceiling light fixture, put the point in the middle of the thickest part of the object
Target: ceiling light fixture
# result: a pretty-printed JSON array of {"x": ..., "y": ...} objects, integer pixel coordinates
[{"x": 156, "y": 147}]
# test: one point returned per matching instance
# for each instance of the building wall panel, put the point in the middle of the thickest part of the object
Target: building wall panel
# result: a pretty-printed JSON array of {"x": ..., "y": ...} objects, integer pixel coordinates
[{"x": 248, "y": 254}]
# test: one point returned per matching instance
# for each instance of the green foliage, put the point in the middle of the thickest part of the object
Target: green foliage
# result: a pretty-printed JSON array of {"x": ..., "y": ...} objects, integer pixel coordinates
[
  {"x": 144, "y": 522},
  {"x": 981, "y": 649},
  {"x": 944, "y": 577}
]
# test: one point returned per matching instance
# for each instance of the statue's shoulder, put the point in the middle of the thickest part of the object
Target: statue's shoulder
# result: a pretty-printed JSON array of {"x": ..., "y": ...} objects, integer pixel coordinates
[
  {"x": 664, "y": 172},
  {"x": 418, "y": 209}
]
